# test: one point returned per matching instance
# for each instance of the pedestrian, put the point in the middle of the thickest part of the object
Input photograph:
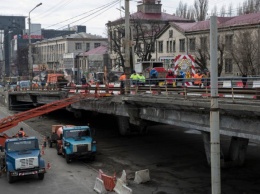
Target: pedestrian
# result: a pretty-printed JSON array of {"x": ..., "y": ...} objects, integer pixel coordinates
[
  {"x": 83, "y": 80},
  {"x": 154, "y": 76},
  {"x": 141, "y": 79},
  {"x": 179, "y": 79},
  {"x": 169, "y": 78},
  {"x": 206, "y": 77},
  {"x": 43, "y": 83},
  {"x": 244, "y": 79}
]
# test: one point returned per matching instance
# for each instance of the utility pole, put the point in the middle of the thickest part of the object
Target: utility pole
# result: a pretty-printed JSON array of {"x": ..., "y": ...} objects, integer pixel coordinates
[
  {"x": 258, "y": 49},
  {"x": 127, "y": 47},
  {"x": 30, "y": 68},
  {"x": 214, "y": 109}
]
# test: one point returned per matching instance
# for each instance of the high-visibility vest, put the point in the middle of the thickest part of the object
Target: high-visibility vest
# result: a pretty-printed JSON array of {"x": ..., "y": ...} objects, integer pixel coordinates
[
  {"x": 197, "y": 78},
  {"x": 141, "y": 78}
]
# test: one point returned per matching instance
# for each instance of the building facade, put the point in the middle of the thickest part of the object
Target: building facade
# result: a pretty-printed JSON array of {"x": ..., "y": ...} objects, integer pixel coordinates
[
  {"x": 238, "y": 43},
  {"x": 59, "y": 54},
  {"x": 145, "y": 24}
]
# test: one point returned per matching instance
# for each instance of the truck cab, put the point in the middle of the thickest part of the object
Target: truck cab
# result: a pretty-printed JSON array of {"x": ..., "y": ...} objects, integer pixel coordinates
[
  {"x": 22, "y": 157},
  {"x": 77, "y": 142}
]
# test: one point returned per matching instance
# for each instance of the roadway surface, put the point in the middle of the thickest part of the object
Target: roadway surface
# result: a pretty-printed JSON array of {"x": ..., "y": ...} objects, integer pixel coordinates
[{"x": 175, "y": 158}]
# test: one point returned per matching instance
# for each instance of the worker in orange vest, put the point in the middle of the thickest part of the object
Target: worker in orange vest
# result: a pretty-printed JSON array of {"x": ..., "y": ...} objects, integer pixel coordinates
[
  {"x": 21, "y": 133},
  {"x": 122, "y": 79},
  {"x": 197, "y": 78}
]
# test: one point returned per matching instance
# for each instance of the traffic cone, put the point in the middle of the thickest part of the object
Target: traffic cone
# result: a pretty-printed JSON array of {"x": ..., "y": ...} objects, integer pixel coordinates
[{"x": 48, "y": 165}]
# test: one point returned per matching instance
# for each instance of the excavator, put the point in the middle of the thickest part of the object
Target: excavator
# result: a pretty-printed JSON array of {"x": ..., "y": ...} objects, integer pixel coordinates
[{"x": 11, "y": 121}]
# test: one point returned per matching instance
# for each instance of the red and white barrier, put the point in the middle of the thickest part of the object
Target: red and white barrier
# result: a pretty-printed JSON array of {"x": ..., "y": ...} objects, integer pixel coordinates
[
  {"x": 142, "y": 176},
  {"x": 99, "y": 186}
]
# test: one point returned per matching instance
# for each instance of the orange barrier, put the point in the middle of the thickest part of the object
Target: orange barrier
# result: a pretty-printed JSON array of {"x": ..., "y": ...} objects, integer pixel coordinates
[{"x": 109, "y": 181}]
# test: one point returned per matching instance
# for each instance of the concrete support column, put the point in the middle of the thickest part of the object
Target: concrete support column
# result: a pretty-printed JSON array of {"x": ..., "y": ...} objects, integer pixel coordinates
[
  {"x": 237, "y": 150},
  {"x": 123, "y": 125},
  {"x": 206, "y": 141}
]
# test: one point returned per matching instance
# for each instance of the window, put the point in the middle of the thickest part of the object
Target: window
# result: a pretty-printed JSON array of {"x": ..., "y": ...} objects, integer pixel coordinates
[
  {"x": 87, "y": 46},
  {"x": 170, "y": 33},
  {"x": 96, "y": 45},
  {"x": 228, "y": 41},
  {"x": 174, "y": 46},
  {"x": 160, "y": 46},
  {"x": 168, "y": 47},
  {"x": 203, "y": 43},
  {"x": 228, "y": 66},
  {"x": 78, "y": 46},
  {"x": 182, "y": 45},
  {"x": 192, "y": 44}
]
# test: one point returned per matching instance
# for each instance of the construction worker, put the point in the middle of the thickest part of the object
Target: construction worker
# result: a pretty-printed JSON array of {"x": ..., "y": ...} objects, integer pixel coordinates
[
  {"x": 141, "y": 79},
  {"x": 21, "y": 133},
  {"x": 134, "y": 77},
  {"x": 122, "y": 79},
  {"x": 197, "y": 78}
]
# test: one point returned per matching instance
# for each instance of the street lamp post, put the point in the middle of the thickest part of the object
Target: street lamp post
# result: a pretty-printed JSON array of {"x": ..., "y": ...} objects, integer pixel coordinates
[{"x": 30, "y": 48}]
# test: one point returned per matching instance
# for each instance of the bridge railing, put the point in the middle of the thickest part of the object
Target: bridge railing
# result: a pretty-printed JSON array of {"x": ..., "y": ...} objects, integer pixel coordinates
[{"x": 234, "y": 87}]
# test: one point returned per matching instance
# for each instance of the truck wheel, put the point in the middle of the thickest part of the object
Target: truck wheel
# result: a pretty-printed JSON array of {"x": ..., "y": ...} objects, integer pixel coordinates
[
  {"x": 68, "y": 160},
  {"x": 41, "y": 176},
  {"x": 10, "y": 179}
]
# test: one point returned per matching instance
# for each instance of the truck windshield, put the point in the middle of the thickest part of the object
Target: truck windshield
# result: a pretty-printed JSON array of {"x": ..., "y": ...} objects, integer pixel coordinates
[
  {"x": 22, "y": 145},
  {"x": 76, "y": 133}
]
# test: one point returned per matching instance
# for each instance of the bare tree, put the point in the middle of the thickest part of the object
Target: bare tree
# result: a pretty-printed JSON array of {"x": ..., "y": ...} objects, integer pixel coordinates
[
  {"x": 116, "y": 35},
  {"x": 230, "y": 10},
  {"x": 214, "y": 11},
  {"x": 202, "y": 55},
  {"x": 201, "y": 9},
  {"x": 249, "y": 6},
  {"x": 185, "y": 11},
  {"x": 222, "y": 11},
  {"x": 144, "y": 37},
  {"x": 245, "y": 51}
]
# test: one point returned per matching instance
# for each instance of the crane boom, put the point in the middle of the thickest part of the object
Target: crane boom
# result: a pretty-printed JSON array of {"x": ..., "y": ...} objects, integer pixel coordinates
[{"x": 11, "y": 121}]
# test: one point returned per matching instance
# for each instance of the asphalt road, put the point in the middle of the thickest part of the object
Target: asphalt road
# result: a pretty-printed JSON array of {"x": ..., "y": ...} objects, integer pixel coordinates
[{"x": 175, "y": 158}]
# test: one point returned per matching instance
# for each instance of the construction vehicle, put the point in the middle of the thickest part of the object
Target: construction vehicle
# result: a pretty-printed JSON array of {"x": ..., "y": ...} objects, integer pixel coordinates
[
  {"x": 21, "y": 157},
  {"x": 146, "y": 66},
  {"x": 56, "y": 80},
  {"x": 74, "y": 142},
  {"x": 21, "y": 162}
]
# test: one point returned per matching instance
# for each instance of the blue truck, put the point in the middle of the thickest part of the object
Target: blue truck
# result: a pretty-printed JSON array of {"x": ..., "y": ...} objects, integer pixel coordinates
[
  {"x": 22, "y": 157},
  {"x": 75, "y": 142}
]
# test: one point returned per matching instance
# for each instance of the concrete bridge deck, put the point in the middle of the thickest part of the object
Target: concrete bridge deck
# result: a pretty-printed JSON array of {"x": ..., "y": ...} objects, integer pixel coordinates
[{"x": 238, "y": 119}]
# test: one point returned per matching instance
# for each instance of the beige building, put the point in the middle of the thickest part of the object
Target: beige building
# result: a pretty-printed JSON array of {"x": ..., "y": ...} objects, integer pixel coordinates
[
  {"x": 239, "y": 43},
  {"x": 151, "y": 18},
  {"x": 60, "y": 53}
]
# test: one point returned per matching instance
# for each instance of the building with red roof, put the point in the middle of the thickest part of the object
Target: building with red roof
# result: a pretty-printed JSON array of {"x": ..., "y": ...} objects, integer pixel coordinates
[{"x": 179, "y": 38}]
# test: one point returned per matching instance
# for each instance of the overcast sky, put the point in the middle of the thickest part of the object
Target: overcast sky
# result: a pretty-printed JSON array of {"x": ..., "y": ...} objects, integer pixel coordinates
[{"x": 58, "y": 14}]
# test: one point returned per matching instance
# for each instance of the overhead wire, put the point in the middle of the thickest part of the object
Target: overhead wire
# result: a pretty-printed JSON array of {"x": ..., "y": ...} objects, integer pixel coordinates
[
  {"x": 99, "y": 14},
  {"x": 107, "y": 7},
  {"x": 59, "y": 5},
  {"x": 98, "y": 9}
]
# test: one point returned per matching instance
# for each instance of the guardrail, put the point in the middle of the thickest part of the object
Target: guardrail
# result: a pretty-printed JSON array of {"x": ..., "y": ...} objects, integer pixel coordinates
[{"x": 227, "y": 88}]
